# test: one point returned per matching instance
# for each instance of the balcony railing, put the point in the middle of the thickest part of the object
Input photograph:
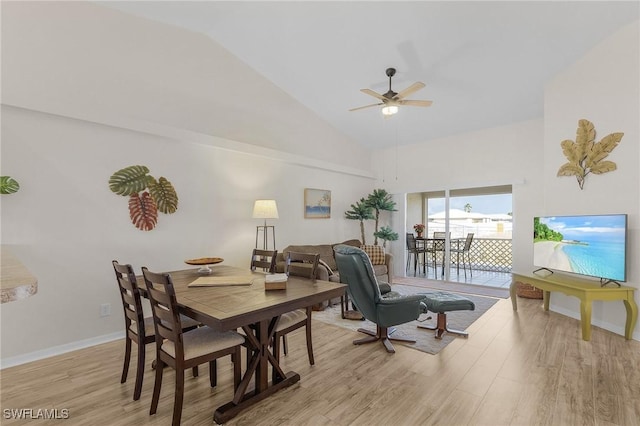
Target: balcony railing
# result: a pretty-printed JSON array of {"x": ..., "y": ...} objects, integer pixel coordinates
[
  {"x": 488, "y": 254},
  {"x": 491, "y": 254}
]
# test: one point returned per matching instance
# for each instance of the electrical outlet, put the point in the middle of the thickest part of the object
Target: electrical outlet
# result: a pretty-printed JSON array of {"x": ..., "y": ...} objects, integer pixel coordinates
[{"x": 105, "y": 309}]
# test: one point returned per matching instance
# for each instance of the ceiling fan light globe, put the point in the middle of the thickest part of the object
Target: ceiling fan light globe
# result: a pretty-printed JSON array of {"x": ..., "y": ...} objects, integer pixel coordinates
[{"x": 389, "y": 110}]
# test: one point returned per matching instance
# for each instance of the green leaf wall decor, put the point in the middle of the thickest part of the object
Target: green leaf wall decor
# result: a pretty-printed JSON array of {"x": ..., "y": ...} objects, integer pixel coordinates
[
  {"x": 129, "y": 180},
  {"x": 143, "y": 208},
  {"x": 587, "y": 156},
  {"x": 8, "y": 185},
  {"x": 164, "y": 194}
]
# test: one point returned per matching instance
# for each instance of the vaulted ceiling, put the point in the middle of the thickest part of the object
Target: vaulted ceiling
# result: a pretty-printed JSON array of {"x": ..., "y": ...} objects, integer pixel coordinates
[{"x": 484, "y": 64}]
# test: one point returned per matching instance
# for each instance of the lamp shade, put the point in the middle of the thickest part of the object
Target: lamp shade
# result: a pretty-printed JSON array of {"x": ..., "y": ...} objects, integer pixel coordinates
[
  {"x": 265, "y": 209},
  {"x": 389, "y": 110}
]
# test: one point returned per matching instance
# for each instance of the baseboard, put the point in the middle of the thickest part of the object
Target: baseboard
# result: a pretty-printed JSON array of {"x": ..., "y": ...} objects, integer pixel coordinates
[{"x": 59, "y": 350}]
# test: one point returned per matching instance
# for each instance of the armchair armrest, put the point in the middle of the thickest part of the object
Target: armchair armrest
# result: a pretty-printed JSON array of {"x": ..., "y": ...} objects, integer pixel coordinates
[
  {"x": 398, "y": 310},
  {"x": 384, "y": 287}
]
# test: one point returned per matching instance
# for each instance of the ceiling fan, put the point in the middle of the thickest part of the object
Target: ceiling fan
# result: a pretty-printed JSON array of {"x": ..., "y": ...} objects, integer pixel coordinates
[{"x": 392, "y": 99}]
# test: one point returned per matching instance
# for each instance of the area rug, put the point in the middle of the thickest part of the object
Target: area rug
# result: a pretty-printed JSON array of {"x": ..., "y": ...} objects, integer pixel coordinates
[
  {"x": 425, "y": 340},
  {"x": 454, "y": 287}
]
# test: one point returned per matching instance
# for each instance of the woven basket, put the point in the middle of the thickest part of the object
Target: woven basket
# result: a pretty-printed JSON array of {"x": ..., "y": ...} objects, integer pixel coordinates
[{"x": 528, "y": 291}]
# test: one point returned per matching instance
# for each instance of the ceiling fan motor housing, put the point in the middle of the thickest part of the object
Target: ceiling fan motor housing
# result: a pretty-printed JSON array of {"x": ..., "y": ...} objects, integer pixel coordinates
[{"x": 390, "y": 94}]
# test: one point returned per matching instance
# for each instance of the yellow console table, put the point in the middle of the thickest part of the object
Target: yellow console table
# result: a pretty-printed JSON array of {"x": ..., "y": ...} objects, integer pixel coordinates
[{"x": 583, "y": 290}]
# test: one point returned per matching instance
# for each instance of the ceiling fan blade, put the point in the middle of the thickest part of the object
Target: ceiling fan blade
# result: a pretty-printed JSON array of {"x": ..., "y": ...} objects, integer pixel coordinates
[
  {"x": 409, "y": 90},
  {"x": 366, "y": 106},
  {"x": 409, "y": 102},
  {"x": 374, "y": 94}
]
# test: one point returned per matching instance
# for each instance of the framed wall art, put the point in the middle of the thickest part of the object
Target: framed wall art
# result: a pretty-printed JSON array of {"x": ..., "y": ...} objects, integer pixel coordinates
[{"x": 317, "y": 203}]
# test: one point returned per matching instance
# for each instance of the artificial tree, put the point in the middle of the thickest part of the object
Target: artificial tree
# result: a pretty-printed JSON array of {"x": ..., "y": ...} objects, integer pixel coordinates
[
  {"x": 360, "y": 211},
  {"x": 380, "y": 200}
]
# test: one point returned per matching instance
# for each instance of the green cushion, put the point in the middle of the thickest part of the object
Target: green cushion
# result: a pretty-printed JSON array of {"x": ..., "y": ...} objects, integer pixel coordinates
[{"x": 441, "y": 301}]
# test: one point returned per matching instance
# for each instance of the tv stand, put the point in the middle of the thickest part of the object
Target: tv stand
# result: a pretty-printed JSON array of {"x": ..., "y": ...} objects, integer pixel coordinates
[
  {"x": 605, "y": 281},
  {"x": 543, "y": 269},
  {"x": 585, "y": 291}
]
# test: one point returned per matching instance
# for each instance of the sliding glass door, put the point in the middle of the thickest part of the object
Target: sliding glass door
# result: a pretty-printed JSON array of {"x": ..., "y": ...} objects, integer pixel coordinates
[{"x": 485, "y": 212}]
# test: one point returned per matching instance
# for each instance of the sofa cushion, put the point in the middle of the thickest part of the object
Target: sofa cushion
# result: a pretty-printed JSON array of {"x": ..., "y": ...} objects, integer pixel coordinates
[
  {"x": 323, "y": 263},
  {"x": 380, "y": 270},
  {"x": 375, "y": 253}
]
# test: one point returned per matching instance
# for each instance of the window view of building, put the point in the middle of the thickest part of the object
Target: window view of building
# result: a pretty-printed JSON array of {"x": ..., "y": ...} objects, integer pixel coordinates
[{"x": 487, "y": 216}]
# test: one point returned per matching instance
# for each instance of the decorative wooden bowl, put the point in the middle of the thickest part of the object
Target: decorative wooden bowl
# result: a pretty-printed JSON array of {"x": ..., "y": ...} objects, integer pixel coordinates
[{"x": 204, "y": 262}]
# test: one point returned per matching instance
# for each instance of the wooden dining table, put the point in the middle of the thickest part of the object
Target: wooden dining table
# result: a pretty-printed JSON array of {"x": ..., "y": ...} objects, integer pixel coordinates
[{"x": 257, "y": 312}]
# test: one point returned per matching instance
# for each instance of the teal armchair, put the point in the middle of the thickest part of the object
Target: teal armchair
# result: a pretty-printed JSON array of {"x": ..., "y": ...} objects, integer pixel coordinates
[{"x": 385, "y": 311}]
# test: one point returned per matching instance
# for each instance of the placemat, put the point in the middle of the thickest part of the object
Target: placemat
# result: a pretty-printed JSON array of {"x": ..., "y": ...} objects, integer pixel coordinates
[{"x": 222, "y": 281}]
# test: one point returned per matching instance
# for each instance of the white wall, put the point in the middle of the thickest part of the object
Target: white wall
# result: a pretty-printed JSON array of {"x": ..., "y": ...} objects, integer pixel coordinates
[
  {"x": 86, "y": 91},
  {"x": 81, "y": 59},
  {"x": 414, "y": 211},
  {"x": 604, "y": 88},
  {"x": 66, "y": 225}
]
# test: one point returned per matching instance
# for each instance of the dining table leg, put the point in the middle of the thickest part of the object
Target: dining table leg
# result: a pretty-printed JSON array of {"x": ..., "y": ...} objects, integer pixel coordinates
[{"x": 258, "y": 336}]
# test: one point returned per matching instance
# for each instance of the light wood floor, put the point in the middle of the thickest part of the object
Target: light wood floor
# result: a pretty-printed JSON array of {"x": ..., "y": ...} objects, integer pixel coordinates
[{"x": 529, "y": 368}]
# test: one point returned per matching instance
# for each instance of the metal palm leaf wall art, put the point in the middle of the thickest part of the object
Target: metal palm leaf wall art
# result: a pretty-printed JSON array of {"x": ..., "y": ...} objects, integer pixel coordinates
[
  {"x": 587, "y": 156},
  {"x": 157, "y": 195}
]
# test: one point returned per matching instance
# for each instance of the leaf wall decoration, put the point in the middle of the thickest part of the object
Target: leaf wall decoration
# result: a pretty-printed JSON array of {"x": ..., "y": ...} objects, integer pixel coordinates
[
  {"x": 8, "y": 185},
  {"x": 587, "y": 156},
  {"x": 164, "y": 194},
  {"x": 143, "y": 211},
  {"x": 129, "y": 180}
]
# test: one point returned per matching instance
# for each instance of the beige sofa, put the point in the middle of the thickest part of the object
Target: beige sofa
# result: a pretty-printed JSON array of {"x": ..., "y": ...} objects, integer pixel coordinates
[{"x": 328, "y": 270}]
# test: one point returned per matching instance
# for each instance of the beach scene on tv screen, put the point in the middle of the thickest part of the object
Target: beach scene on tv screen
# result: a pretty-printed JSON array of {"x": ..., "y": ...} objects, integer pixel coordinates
[{"x": 587, "y": 245}]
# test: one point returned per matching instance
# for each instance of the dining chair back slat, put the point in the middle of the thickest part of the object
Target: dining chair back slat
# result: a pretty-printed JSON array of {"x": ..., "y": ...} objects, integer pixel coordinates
[
  {"x": 302, "y": 264},
  {"x": 134, "y": 324},
  {"x": 468, "y": 241},
  {"x": 264, "y": 259},
  {"x": 162, "y": 297}
]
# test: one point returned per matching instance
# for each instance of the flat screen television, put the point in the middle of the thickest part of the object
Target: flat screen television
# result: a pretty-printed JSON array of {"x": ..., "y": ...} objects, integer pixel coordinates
[{"x": 593, "y": 245}]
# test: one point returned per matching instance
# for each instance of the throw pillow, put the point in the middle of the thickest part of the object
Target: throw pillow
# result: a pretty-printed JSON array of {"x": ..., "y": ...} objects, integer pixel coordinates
[
  {"x": 375, "y": 253},
  {"x": 323, "y": 263}
]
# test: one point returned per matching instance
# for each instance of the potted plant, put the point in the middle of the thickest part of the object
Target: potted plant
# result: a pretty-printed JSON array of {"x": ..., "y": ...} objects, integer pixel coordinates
[{"x": 419, "y": 229}]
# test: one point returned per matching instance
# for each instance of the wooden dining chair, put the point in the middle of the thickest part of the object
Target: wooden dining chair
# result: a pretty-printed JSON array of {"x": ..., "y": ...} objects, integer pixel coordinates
[
  {"x": 137, "y": 328},
  {"x": 303, "y": 265},
  {"x": 183, "y": 350},
  {"x": 265, "y": 259}
]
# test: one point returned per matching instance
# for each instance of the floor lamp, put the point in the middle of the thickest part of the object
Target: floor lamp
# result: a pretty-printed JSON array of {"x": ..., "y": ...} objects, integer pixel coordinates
[{"x": 265, "y": 209}]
